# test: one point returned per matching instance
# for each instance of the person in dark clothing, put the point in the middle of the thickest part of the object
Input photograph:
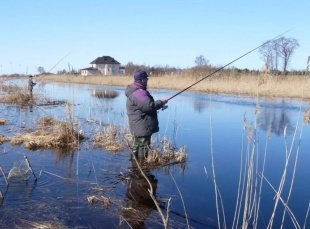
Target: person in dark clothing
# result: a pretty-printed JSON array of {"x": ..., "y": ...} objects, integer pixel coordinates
[
  {"x": 31, "y": 84},
  {"x": 142, "y": 113}
]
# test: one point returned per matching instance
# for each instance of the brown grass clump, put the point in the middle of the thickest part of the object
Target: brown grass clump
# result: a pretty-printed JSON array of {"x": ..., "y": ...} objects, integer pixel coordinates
[
  {"x": 165, "y": 154},
  {"x": 106, "y": 94},
  {"x": 17, "y": 95},
  {"x": 307, "y": 117},
  {"x": 3, "y": 121},
  {"x": 8, "y": 88},
  {"x": 21, "y": 96},
  {"x": 57, "y": 134},
  {"x": 3, "y": 139},
  {"x": 111, "y": 139},
  {"x": 47, "y": 121}
]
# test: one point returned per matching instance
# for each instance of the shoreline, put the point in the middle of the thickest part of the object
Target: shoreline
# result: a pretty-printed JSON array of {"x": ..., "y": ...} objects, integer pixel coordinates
[{"x": 264, "y": 85}]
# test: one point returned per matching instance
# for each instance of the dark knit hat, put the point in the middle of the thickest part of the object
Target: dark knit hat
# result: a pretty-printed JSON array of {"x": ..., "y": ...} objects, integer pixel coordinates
[{"x": 140, "y": 75}]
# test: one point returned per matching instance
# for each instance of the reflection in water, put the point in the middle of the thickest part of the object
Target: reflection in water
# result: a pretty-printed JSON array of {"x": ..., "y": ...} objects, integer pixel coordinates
[
  {"x": 275, "y": 120},
  {"x": 200, "y": 105},
  {"x": 106, "y": 94},
  {"x": 138, "y": 203}
]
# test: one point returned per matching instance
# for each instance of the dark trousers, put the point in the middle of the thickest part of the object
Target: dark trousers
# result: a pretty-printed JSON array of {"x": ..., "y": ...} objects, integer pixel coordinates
[{"x": 141, "y": 146}]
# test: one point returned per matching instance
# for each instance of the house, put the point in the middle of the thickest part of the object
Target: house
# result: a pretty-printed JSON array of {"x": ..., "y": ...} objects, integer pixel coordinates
[{"x": 104, "y": 65}]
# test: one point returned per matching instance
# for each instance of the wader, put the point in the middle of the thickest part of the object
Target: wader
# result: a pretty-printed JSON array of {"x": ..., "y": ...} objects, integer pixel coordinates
[{"x": 141, "y": 146}]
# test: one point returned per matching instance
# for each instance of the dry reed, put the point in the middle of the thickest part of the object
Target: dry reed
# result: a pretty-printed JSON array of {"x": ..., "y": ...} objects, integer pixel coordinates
[
  {"x": 3, "y": 121},
  {"x": 22, "y": 97},
  {"x": 3, "y": 139},
  {"x": 17, "y": 95},
  {"x": 105, "y": 201},
  {"x": 307, "y": 116},
  {"x": 240, "y": 84},
  {"x": 106, "y": 94},
  {"x": 165, "y": 154},
  {"x": 53, "y": 134},
  {"x": 111, "y": 139}
]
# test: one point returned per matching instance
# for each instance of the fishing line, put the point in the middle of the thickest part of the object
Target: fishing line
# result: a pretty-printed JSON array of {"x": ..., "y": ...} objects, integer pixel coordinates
[{"x": 219, "y": 69}]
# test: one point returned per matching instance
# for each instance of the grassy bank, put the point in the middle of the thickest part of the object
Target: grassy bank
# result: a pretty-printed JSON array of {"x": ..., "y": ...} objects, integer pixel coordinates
[{"x": 241, "y": 84}]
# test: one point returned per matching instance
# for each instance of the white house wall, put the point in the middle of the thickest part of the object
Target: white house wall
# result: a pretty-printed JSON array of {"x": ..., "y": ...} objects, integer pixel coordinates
[{"x": 107, "y": 69}]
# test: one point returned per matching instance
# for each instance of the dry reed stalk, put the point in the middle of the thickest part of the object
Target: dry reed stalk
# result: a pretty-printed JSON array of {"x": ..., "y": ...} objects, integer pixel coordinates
[
  {"x": 293, "y": 174},
  {"x": 3, "y": 174},
  {"x": 283, "y": 178},
  {"x": 30, "y": 167},
  {"x": 216, "y": 189},
  {"x": 306, "y": 217},
  {"x": 239, "y": 196},
  {"x": 181, "y": 196},
  {"x": 292, "y": 216}
]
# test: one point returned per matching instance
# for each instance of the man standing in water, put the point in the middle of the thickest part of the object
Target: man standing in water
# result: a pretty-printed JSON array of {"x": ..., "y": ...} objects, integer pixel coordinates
[
  {"x": 142, "y": 114},
  {"x": 31, "y": 84}
]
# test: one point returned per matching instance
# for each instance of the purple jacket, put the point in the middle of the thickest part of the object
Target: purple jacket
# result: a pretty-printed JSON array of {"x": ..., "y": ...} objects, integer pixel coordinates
[{"x": 141, "y": 111}]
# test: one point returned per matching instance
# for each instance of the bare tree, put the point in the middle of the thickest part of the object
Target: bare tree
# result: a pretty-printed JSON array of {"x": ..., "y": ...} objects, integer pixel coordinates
[
  {"x": 41, "y": 70},
  {"x": 308, "y": 63},
  {"x": 267, "y": 54},
  {"x": 287, "y": 47},
  {"x": 201, "y": 61},
  {"x": 275, "y": 49}
]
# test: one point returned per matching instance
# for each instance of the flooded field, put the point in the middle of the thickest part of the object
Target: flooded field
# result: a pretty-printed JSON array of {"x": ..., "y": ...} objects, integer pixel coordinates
[{"x": 245, "y": 149}]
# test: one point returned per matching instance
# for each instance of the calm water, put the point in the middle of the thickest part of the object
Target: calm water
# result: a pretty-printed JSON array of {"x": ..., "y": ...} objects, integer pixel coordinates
[{"x": 203, "y": 123}]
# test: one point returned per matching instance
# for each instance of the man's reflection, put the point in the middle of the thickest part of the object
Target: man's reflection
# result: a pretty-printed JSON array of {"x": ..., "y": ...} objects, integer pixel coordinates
[{"x": 138, "y": 202}]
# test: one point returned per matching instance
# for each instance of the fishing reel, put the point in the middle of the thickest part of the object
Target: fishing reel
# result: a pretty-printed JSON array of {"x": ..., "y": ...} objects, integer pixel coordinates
[{"x": 164, "y": 107}]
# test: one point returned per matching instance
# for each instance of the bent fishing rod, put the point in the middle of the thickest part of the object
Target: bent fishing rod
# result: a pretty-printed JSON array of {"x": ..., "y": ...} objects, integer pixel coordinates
[{"x": 219, "y": 69}]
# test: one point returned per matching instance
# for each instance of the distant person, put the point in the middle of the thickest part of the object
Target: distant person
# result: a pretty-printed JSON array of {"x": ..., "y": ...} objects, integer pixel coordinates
[
  {"x": 142, "y": 114},
  {"x": 31, "y": 84}
]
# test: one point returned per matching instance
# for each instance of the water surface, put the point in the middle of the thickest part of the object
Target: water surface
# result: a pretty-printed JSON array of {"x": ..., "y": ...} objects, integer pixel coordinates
[{"x": 210, "y": 126}]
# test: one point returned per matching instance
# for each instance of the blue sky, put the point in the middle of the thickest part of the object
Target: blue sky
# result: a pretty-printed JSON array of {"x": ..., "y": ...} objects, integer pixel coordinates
[{"x": 162, "y": 32}]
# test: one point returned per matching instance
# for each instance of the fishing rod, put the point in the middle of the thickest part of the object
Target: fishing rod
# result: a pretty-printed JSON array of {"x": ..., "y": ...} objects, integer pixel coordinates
[
  {"x": 219, "y": 69},
  {"x": 59, "y": 61}
]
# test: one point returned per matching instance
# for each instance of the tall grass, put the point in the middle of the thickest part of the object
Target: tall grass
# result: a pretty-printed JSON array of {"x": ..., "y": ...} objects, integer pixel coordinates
[
  {"x": 252, "y": 178},
  {"x": 238, "y": 84}
]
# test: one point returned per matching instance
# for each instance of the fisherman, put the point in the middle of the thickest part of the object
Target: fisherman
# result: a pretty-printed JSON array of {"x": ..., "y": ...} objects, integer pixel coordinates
[
  {"x": 31, "y": 84},
  {"x": 142, "y": 114}
]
